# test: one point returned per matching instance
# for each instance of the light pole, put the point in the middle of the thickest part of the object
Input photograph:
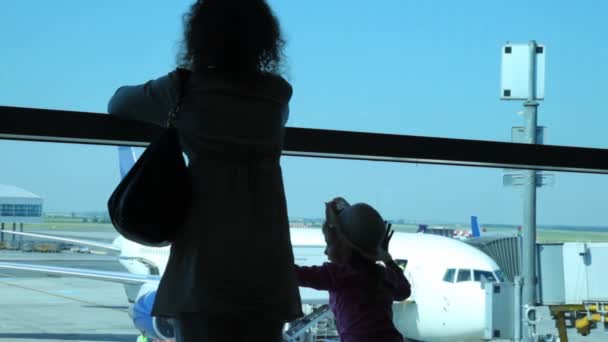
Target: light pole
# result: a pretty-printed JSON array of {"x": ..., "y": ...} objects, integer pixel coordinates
[
  {"x": 523, "y": 79},
  {"x": 529, "y": 229}
]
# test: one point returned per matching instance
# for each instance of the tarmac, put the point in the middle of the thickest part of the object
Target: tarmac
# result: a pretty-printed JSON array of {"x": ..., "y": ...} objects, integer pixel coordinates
[
  {"x": 35, "y": 307},
  {"x": 42, "y": 308}
]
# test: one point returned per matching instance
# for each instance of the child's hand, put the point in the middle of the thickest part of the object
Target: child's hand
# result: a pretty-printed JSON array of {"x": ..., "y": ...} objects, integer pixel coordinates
[
  {"x": 338, "y": 204},
  {"x": 333, "y": 209},
  {"x": 388, "y": 234},
  {"x": 330, "y": 215}
]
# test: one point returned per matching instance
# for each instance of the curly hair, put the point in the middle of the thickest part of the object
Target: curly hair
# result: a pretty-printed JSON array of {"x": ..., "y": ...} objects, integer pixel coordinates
[{"x": 237, "y": 37}]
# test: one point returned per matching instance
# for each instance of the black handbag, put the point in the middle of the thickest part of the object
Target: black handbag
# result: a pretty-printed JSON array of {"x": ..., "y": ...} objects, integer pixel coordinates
[{"x": 151, "y": 202}]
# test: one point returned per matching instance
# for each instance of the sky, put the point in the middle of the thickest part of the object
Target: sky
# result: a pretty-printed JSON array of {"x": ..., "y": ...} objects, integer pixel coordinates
[{"x": 429, "y": 68}]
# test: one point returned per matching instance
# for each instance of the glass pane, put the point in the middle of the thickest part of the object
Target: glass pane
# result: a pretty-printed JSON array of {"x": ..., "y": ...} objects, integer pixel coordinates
[
  {"x": 416, "y": 68},
  {"x": 483, "y": 276},
  {"x": 463, "y": 275},
  {"x": 449, "y": 275},
  {"x": 60, "y": 190},
  {"x": 401, "y": 263},
  {"x": 74, "y": 182}
]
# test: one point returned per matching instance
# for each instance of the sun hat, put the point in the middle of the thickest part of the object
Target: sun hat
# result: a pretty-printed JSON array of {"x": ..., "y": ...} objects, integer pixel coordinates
[{"x": 360, "y": 226}]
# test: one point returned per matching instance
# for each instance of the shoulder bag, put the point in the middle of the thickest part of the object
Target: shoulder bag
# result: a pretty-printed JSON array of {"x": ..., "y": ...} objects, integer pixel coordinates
[{"x": 151, "y": 202}]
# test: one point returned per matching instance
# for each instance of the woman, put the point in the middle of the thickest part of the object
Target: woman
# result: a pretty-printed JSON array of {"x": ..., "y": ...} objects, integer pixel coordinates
[{"x": 230, "y": 276}]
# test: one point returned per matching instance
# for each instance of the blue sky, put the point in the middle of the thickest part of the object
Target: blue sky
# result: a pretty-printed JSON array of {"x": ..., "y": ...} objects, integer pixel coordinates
[{"x": 392, "y": 66}]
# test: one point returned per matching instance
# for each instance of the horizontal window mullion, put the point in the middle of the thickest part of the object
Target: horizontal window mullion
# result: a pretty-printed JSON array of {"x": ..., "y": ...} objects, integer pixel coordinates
[{"x": 101, "y": 129}]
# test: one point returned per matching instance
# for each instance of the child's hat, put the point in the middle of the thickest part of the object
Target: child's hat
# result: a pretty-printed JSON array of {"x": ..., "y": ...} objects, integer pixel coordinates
[{"x": 362, "y": 228}]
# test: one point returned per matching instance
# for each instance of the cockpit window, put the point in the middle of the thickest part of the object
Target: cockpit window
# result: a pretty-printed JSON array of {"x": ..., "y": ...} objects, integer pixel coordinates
[
  {"x": 499, "y": 275},
  {"x": 484, "y": 276},
  {"x": 402, "y": 263},
  {"x": 449, "y": 275},
  {"x": 463, "y": 275}
]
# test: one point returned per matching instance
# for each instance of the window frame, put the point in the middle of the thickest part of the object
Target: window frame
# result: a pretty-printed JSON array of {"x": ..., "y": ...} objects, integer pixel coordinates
[{"x": 33, "y": 124}]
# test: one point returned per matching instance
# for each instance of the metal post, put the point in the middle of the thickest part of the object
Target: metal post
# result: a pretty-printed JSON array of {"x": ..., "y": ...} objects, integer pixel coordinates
[
  {"x": 20, "y": 236},
  {"x": 518, "y": 313},
  {"x": 2, "y": 232},
  {"x": 529, "y": 228},
  {"x": 13, "y": 237}
]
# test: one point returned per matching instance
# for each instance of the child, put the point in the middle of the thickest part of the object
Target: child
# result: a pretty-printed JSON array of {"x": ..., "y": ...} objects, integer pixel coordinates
[{"x": 361, "y": 292}]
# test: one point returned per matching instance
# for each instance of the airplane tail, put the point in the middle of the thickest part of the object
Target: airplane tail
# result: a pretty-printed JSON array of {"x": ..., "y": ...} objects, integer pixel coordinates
[
  {"x": 475, "y": 232},
  {"x": 422, "y": 228},
  {"x": 126, "y": 159}
]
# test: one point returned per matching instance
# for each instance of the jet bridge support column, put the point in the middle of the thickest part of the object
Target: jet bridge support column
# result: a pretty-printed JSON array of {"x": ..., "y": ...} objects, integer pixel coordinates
[{"x": 20, "y": 236}]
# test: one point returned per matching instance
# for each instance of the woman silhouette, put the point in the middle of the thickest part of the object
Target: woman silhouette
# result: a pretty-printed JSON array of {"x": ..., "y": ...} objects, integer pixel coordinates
[{"x": 230, "y": 276}]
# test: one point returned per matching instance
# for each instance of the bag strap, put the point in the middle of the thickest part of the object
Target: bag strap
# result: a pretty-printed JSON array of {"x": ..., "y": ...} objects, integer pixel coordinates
[{"x": 182, "y": 79}]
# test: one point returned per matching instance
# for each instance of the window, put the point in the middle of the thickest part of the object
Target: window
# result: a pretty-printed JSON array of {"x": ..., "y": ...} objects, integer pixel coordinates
[
  {"x": 7, "y": 210},
  {"x": 33, "y": 210},
  {"x": 499, "y": 275},
  {"x": 484, "y": 276},
  {"x": 463, "y": 275},
  {"x": 402, "y": 263},
  {"x": 449, "y": 275},
  {"x": 421, "y": 94},
  {"x": 21, "y": 210}
]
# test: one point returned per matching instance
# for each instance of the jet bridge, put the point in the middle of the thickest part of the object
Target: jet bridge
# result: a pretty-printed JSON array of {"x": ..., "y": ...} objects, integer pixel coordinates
[
  {"x": 505, "y": 250},
  {"x": 572, "y": 283}
]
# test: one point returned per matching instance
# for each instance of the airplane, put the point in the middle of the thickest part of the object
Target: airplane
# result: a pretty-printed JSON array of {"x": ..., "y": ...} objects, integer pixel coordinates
[
  {"x": 474, "y": 233},
  {"x": 447, "y": 277},
  {"x": 477, "y": 233}
]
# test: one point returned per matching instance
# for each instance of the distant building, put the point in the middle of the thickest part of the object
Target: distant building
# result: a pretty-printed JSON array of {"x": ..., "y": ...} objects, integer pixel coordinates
[
  {"x": 19, "y": 206},
  {"x": 299, "y": 225}
]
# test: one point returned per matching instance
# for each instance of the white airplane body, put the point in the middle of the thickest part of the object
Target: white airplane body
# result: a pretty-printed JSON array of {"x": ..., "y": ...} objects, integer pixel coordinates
[{"x": 438, "y": 310}]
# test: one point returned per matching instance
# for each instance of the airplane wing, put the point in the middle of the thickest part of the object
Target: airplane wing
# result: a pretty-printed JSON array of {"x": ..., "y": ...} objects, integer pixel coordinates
[
  {"x": 116, "y": 277},
  {"x": 308, "y": 296},
  {"x": 304, "y": 255},
  {"x": 88, "y": 243}
]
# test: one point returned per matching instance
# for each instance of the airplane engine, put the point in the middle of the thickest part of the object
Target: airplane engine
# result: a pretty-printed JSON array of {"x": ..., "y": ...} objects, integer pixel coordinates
[{"x": 158, "y": 328}]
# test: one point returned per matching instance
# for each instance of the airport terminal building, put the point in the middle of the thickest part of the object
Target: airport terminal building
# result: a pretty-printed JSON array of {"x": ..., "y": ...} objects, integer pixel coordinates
[{"x": 19, "y": 206}]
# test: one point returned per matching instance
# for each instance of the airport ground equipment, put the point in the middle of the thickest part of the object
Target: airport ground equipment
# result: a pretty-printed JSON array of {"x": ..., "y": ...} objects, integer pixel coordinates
[
  {"x": 583, "y": 317},
  {"x": 300, "y": 329},
  {"x": 572, "y": 283},
  {"x": 503, "y": 301}
]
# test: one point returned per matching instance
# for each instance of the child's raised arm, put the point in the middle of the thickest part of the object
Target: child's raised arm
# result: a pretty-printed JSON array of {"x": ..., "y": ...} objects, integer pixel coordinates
[
  {"x": 316, "y": 277},
  {"x": 401, "y": 286}
]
